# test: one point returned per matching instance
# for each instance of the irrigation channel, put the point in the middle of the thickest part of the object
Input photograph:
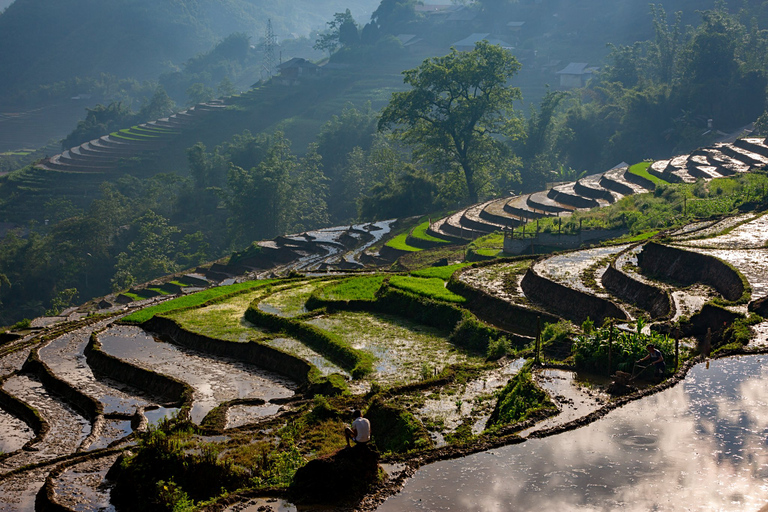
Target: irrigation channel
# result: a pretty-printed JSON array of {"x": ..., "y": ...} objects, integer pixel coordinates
[{"x": 73, "y": 397}]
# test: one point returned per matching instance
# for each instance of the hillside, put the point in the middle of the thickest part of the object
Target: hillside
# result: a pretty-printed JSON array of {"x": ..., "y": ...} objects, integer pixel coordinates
[{"x": 44, "y": 41}]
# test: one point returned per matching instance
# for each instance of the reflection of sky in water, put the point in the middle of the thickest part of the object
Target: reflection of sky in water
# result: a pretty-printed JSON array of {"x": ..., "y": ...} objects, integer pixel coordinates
[{"x": 698, "y": 446}]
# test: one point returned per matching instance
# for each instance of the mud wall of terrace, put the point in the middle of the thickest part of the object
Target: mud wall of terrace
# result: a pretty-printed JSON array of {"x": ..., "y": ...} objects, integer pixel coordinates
[
  {"x": 650, "y": 298},
  {"x": 263, "y": 356},
  {"x": 688, "y": 267},
  {"x": 570, "y": 303},
  {"x": 163, "y": 386},
  {"x": 498, "y": 312}
]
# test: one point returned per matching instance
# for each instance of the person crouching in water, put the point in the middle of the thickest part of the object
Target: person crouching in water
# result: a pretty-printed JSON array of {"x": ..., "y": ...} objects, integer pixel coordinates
[
  {"x": 655, "y": 358},
  {"x": 360, "y": 432}
]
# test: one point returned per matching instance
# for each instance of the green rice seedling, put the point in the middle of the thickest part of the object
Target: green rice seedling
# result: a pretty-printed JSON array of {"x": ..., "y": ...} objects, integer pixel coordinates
[
  {"x": 443, "y": 273},
  {"x": 432, "y": 287},
  {"x": 399, "y": 243}
]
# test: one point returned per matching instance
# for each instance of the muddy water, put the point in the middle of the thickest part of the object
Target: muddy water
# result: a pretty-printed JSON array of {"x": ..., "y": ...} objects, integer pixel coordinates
[
  {"x": 83, "y": 488},
  {"x": 213, "y": 380},
  {"x": 68, "y": 428},
  {"x": 697, "y": 446},
  {"x": 400, "y": 347},
  {"x": 112, "y": 430},
  {"x": 13, "y": 433},
  {"x": 239, "y": 415},
  {"x": 753, "y": 263},
  {"x": 718, "y": 227},
  {"x": 491, "y": 279},
  {"x": 750, "y": 235},
  {"x": 451, "y": 406},
  {"x": 64, "y": 355},
  {"x": 298, "y": 349},
  {"x": 18, "y": 493},
  {"x": 567, "y": 268}
]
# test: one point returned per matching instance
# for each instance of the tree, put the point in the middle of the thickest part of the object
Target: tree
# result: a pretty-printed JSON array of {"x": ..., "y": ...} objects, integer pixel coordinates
[
  {"x": 393, "y": 15},
  {"x": 342, "y": 31},
  {"x": 457, "y": 107}
]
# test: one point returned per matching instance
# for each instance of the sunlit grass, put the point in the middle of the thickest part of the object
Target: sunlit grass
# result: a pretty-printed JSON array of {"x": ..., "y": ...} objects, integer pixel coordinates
[
  {"x": 641, "y": 169},
  {"x": 356, "y": 288},
  {"x": 399, "y": 243},
  {"x": 433, "y": 287}
]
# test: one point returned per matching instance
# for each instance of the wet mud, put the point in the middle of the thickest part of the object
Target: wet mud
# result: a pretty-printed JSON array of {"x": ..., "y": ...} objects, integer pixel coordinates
[{"x": 214, "y": 380}]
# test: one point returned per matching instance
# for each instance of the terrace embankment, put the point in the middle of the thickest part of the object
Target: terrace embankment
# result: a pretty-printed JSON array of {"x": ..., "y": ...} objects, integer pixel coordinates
[
  {"x": 263, "y": 356},
  {"x": 570, "y": 303},
  {"x": 648, "y": 297},
  {"x": 167, "y": 388},
  {"x": 687, "y": 268}
]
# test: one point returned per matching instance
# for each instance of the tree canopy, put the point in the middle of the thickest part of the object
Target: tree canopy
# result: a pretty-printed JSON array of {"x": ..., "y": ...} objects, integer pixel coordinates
[{"x": 456, "y": 108}]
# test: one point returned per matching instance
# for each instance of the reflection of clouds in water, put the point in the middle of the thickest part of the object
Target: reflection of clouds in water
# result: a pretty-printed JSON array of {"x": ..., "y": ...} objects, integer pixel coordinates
[{"x": 698, "y": 446}]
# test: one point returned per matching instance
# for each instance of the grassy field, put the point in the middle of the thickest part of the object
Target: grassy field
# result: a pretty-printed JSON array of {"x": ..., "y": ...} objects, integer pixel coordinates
[
  {"x": 420, "y": 232},
  {"x": 443, "y": 273},
  {"x": 398, "y": 242},
  {"x": 290, "y": 301},
  {"x": 432, "y": 287},
  {"x": 488, "y": 245},
  {"x": 641, "y": 169},
  {"x": 356, "y": 288},
  {"x": 193, "y": 300}
]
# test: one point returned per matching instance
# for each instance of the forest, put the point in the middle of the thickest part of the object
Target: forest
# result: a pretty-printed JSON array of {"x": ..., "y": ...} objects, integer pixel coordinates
[{"x": 678, "y": 89}]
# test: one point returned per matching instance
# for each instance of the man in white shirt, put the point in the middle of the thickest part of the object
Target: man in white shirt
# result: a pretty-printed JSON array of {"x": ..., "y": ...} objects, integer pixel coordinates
[{"x": 360, "y": 432}]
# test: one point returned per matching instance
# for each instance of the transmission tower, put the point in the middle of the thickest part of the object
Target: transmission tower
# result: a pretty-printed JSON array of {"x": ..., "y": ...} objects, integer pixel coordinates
[{"x": 268, "y": 63}]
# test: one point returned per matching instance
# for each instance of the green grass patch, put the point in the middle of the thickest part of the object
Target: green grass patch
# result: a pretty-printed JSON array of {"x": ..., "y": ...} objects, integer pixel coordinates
[
  {"x": 433, "y": 288},
  {"x": 641, "y": 170},
  {"x": 400, "y": 244},
  {"x": 520, "y": 399},
  {"x": 356, "y": 288},
  {"x": 192, "y": 300},
  {"x": 443, "y": 273},
  {"x": 420, "y": 232}
]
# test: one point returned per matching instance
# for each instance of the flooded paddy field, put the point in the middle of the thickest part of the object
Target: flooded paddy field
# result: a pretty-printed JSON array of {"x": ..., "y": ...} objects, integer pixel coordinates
[
  {"x": 572, "y": 268},
  {"x": 697, "y": 446},
  {"x": 446, "y": 409},
  {"x": 83, "y": 487},
  {"x": 64, "y": 356},
  {"x": 401, "y": 347},
  {"x": 751, "y": 234},
  {"x": 500, "y": 280},
  {"x": 214, "y": 380},
  {"x": 298, "y": 349},
  {"x": 13, "y": 433},
  {"x": 718, "y": 227},
  {"x": 289, "y": 301},
  {"x": 753, "y": 263}
]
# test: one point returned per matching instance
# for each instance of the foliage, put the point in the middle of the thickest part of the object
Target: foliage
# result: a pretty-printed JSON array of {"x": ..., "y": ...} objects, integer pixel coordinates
[
  {"x": 590, "y": 351},
  {"x": 194, "y": 300},
  {"x": 394, "y": 429},
  {"x": 498, "y": 348},
  {"x": 342, "y": 31},
  {"x": 432, "y": 287},
  {"x": 455, "y": 106},
  {"x": 518, "y": 400}
]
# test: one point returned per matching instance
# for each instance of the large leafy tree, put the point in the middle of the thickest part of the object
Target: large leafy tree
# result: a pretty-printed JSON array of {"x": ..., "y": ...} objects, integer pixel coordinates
[{"x": 455, "y": 111}]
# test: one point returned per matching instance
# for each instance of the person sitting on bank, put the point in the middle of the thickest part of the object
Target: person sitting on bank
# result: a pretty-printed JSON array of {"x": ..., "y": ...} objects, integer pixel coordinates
[
  {"x": 655, "y": 358},
  {"x": 360, "y": 432}
]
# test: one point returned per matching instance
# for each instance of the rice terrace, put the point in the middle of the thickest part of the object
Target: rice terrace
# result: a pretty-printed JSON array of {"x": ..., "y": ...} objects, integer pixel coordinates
[
  {"x": 478, "y": 340},
  {"x": 383, "y": 255}
]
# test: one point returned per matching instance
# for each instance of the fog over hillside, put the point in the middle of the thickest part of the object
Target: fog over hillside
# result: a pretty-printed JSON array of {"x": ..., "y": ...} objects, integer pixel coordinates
[{"x": 45, "y": 41}]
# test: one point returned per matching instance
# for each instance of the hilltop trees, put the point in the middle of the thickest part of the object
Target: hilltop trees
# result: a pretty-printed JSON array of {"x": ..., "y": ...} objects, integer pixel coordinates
[{"x": 456, "y": 109}]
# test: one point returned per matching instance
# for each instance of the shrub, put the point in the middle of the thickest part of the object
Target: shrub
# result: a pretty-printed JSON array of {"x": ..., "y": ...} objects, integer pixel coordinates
[
  {"x": 520, "y": 399},
  {"x": 498, "y": 348}
]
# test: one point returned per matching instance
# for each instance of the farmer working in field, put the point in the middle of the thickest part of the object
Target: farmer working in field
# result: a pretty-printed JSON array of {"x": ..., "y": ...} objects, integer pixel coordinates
[
  {"x": 655, "y": 358},
  {"x": 360, "y": 432}
]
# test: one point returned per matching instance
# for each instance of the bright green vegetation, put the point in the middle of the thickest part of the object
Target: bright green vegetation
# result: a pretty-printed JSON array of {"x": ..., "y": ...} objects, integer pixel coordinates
[
  {"x": 224, "y": 318},
  {"x": 641, "y": 169},
  {"x": 520, "y": 399},
  {"x": 432, "y": 287},
  {"x": 420, "y": 232},
  {"x": 669, "y": 206},
  {"x": 590, "y": 350},
  {"x": 488, "y": 245},
  {"x": 192, "y": 300},
  {"x": 290, "y": 301},
  {"x": 401, "y": 347},
  {"x": 356, "y": 288},
  {"x": 398, "y": 242},
  {"x": 443, "y": 273}
]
